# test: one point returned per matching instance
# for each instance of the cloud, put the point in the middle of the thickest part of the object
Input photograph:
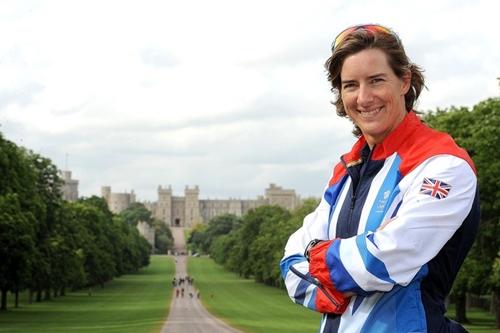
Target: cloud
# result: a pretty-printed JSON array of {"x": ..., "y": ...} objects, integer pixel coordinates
[
  {"x": 156, "y": 57},
  {"x": 21, "y": 96},
  {"x": 230, "y": 96}
]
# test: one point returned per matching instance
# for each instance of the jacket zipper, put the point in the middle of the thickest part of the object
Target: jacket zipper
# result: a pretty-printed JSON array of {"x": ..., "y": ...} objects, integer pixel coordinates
[{"x": 355, "y": 192}]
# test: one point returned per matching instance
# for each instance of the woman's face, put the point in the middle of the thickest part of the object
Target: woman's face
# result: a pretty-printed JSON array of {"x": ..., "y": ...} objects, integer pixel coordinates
[{"x": 372, "y": 94}]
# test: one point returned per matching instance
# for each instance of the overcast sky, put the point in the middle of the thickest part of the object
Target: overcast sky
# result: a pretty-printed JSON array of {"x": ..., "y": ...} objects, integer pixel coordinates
[{"x": 229, "y": 95}]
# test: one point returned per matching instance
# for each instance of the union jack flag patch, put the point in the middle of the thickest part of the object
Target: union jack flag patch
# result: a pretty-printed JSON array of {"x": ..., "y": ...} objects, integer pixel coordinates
[{"x": 435, "y": 188}]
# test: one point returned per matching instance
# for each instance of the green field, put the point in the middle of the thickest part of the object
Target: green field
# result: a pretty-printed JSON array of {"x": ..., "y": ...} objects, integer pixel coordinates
[
  {"x": 133, "y": 303},
  {"x": 249, "y": 306},
  {"x": 482, "y": 321},
  {"x": 139, "y": 303},
  {"x": 256, "y": 308}
]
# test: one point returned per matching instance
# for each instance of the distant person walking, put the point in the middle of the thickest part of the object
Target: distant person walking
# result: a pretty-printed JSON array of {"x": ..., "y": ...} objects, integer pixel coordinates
[{"x": 187, "y": 315}]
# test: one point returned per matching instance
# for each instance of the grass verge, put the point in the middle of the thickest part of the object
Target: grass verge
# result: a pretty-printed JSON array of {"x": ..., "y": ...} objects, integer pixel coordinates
[
  {"x": 133, "y": 303},
  {"x": 481, "y": 321},
  {"x": 249, "y": 306},
  {"x": 256, "y": 308}
]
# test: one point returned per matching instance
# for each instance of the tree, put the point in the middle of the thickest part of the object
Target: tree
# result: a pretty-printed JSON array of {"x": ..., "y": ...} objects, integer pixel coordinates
[
  {"x": 16, "y": 246},
  {"x": 248, "y": 233},
  {"x": 77, "y": 244},
  {"x": 99, "y": 261},
  {"x": 136, "y": 212},
  {"x": 48, "y": 195},
  {"x": 18, "y": 206},
  {"x": 478, "y": 131},
  {"x": 202, "y": 236},
  {"x": 164, "y": 240},
  {"x": 197, "y": 237},
  {"x": 66, "y": 241},
  {"x": 221, "y": 246},
  {"x": 218, "y": 226},
  {"x": 267, "y": 249}
]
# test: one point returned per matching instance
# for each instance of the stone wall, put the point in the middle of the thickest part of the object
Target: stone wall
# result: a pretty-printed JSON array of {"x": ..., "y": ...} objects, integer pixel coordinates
[{"x": 147, "y": 232}]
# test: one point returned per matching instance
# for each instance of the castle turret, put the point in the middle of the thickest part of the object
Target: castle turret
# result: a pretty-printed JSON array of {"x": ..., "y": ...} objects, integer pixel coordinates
[
  {"x": 276, "y": 195},
  {"x": 192, "y": 206},
  {"x": 117, "y": 202},
  {"x": 106, "y": 193},
  {"x": 164, "y": 205},
  {"x": 69, "y": 187}
]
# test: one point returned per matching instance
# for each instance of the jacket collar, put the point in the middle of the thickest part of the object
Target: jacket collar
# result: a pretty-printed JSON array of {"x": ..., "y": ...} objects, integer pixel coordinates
[{"x": 391, "y": 143}]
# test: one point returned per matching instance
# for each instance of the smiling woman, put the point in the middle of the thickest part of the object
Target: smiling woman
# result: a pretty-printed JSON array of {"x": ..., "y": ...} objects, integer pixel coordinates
[
  {"x": 400, "y": 212},
  {"x": 392, "y": 64},
  {"x": 372, "y": 94}
]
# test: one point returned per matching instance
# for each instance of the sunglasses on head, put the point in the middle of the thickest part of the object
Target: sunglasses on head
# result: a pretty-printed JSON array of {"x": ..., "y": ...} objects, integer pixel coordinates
[{"x": 373, "y": 28}]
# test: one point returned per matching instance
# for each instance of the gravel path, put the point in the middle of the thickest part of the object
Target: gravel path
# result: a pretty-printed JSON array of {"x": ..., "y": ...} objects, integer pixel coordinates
[{"x": 187, "y": 314}]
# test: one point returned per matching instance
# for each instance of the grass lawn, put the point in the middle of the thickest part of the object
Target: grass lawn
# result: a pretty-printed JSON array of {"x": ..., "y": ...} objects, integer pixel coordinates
[
  {"x": 249, "y": 306},
  {"x": 481, "y": 321},
  {"x": 133, "y": 303},
  {"x": 256, "y": 308}
]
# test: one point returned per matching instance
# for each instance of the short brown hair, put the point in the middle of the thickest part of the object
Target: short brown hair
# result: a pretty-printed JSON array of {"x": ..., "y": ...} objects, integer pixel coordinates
[{"x": 391, "y": 45}]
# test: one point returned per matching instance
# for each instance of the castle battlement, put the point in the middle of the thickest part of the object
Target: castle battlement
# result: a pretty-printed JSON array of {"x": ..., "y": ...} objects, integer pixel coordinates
[
  {"x": 117, "y": 201},
  {"x": 188, "y": 210}
]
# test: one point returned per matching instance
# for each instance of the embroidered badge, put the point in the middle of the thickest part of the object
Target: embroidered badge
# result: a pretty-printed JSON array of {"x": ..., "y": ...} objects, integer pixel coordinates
[{"x": 435, "y": 188}]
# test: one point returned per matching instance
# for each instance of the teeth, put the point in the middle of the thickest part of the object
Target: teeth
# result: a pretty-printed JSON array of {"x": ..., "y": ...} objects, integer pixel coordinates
[{"x": 369, "y": 113}]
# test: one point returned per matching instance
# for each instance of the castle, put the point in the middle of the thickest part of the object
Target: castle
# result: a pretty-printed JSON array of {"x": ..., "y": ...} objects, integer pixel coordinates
[
  {"x": 117, "y": 201},
  {"x": 183, "y": 211},
  {"x": 188, "y": 210},
  {"x": 69, "y": 188}
]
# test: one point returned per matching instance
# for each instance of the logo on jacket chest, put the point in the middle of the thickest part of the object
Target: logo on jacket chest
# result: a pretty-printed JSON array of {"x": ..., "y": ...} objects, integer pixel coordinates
[{"x": 380, "y": 205}]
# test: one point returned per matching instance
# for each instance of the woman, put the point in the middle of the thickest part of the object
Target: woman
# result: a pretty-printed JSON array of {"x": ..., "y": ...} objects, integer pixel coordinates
[{"x": 400, "y": 212}]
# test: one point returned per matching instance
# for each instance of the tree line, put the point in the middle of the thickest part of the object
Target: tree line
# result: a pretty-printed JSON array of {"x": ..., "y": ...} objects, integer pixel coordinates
[
  {"x": 252, "y": 245},
  {"x": 49, "y": 245},
  {"x": 477, "y": 129}
]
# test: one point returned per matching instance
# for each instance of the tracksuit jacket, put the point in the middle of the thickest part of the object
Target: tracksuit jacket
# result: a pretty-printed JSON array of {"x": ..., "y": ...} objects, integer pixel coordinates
[{"x": 399, "y": 220}]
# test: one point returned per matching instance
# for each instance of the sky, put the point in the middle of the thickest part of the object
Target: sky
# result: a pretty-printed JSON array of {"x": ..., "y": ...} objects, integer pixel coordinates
[{"x": 227, "y": 95}]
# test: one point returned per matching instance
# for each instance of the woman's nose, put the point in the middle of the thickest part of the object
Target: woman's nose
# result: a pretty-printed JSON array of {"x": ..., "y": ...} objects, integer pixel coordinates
[{"x": 365, "y": 95}]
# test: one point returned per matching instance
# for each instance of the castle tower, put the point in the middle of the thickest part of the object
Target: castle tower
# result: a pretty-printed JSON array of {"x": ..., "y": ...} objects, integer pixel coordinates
[
  {"x": 117, "y": 202},
  {"x": 276, "y": 195},
  {"x": 164, "y": 205},
  {"x": 106, "y": 193},
  {"x": 69, "y": 187},
  {"x": 192, "y": 206}
]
